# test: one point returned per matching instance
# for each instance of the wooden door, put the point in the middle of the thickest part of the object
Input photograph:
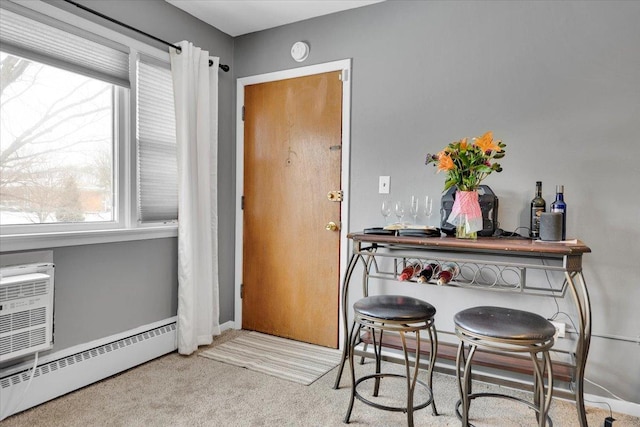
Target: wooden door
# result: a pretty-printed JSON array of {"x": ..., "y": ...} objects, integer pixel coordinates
[{"x": 292, "y": 160}]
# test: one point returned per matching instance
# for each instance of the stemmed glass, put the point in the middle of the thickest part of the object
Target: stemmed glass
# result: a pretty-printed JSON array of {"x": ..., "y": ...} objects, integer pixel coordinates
[
  {"x": 415, "y": 203},
  {"x": 428, "y": 208},
  {"x": 399, "y": 211},
  {"x": 385, "y": 209}
]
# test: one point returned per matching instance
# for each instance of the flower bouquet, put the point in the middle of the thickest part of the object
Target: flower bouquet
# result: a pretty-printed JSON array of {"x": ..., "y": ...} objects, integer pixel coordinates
[{"x": 466, "y": 165}]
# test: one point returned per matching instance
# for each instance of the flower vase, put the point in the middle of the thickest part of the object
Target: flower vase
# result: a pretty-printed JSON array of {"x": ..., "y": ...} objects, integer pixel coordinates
[
  {"x": 466, "y": 215},
  {"x": 463, "y": 230}
]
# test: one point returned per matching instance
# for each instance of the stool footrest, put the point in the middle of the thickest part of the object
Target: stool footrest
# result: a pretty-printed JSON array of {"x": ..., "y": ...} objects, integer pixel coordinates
[
  {"x": 391, "y": 408},
  {"x": 499, "y": 396}
]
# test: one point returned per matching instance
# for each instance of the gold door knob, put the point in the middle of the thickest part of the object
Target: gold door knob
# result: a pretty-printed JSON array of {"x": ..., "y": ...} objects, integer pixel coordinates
[{"x": 332, "y": 226}]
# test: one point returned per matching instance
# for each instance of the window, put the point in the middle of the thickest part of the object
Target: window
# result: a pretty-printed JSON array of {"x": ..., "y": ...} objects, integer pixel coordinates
[
  {"x": 57, "y": 145},
  {"x": 87, "y": 131}
]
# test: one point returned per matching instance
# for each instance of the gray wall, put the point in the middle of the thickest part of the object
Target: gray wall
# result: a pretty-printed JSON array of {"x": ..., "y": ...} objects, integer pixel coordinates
[
  {"x": 556, "y": 81},
  {"x": 102, "y": 290}
]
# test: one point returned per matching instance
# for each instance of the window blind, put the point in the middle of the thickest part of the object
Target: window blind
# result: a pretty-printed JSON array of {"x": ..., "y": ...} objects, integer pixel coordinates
[
  {"x": 30, "y": 35},
  {"x": 156, "y": 135}
]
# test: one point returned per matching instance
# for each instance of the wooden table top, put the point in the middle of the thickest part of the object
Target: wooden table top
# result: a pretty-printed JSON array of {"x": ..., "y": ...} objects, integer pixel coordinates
[{"x": 484, "y": 244}]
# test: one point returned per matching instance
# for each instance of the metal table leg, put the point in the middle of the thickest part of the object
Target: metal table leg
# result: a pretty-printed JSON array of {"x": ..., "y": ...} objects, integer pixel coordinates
[
  {"x": 355, "y": 257},
  {"x": 583, "y": 304}
]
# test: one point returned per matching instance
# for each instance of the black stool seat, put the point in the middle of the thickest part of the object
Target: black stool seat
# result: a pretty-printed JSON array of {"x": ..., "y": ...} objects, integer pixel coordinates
[
  {"x": 505, "y": 323},
  {"x": 394, "y": 307}
]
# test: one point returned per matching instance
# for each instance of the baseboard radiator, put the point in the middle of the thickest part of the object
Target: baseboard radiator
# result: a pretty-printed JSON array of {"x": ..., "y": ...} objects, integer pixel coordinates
[{"x": 57, "y": 377}]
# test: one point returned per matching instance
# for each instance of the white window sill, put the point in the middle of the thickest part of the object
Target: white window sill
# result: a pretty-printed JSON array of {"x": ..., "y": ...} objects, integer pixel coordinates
[{"x": 21, "y": 242}]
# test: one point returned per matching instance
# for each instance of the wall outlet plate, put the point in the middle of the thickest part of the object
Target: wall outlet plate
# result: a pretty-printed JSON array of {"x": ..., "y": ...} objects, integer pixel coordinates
[
  {"x": 383, "y": 184},
  {"x": 560, "y": 329}
]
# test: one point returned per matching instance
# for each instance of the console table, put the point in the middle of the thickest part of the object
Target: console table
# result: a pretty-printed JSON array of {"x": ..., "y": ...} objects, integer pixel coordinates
[{"x": 488, "y": 263}]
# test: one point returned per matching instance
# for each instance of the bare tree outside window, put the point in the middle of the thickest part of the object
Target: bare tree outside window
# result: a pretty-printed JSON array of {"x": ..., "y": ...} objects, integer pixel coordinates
[{"x": 57, "y": 145}]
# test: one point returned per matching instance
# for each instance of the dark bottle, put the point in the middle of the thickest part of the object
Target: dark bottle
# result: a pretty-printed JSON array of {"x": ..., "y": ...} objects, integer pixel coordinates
[
  {"x": 538, "y": 205},
  {"x": 560, "y": 206},
  {"x": 428, "y": 272}
]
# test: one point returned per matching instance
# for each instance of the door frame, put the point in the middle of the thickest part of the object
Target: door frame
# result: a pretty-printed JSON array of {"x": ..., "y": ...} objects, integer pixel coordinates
[{"x": 343, "y": 65}]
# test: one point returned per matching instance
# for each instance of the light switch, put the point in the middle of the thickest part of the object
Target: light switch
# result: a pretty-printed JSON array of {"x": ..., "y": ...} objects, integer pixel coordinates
[{"x": 383, "y": 184}]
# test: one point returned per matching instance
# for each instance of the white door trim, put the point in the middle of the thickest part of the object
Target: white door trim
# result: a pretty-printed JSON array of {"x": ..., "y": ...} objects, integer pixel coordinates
[{"x": 343, "y": 65}]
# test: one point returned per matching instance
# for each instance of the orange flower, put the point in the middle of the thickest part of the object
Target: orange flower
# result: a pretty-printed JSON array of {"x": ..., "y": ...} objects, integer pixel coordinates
[
  {"x": 444, "y": 162},
  {"x": 485, "y": 143},
  {"x": 466, "y": 164}
]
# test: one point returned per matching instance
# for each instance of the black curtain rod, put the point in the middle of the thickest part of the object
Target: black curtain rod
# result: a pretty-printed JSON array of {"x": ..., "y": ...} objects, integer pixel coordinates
[{"x": 224, "y": 67}]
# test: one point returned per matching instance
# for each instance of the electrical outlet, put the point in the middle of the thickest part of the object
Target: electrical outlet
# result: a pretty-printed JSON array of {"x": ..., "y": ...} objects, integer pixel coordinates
[
  {"x": 560, "y": 326},
  {"x": 383, "y": 184}
]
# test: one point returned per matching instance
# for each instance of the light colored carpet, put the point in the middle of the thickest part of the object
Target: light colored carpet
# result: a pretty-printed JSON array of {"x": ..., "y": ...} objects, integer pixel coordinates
[
  {"x": 192, "y": 391},
  {"x": 279, "y": 357}
]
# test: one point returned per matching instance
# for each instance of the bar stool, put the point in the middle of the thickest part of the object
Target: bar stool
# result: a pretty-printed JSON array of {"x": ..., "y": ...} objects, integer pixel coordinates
[
  {"x": 507, "y": 330},
  {"x": 401, "y": 314}
]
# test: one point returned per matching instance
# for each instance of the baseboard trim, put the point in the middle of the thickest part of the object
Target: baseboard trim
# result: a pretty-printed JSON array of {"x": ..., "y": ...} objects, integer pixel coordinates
[
  {"x": 73, "y": 368},
  {"x": 228, "y": 325},
  {"x": 619, "y": 406}
]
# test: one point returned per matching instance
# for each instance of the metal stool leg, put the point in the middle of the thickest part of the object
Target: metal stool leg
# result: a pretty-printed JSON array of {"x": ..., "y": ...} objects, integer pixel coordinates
[
  {"x": 433, "y": 353},
  {"x": 462, "y": 391},
  {"x": 538, "y": 387},
  {"x": 541, "y": 395},
  {"x": 411, "y": 379},
  {"x": 463, "y": 365},
  {"x": 377, "y": 349},
  {"x": 546, "y": 403},
  {"x": 366, "y": 345}
]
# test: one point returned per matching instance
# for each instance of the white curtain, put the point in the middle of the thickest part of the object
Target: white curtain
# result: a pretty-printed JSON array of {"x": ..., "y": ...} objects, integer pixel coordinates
[{"x": 195, "y": 85}]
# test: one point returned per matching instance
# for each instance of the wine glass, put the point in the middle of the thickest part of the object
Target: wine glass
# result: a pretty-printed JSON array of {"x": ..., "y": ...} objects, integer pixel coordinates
[
  {"x": 428, "y": 207},
  {"x": 415, "y": 203},
  {"x": 399, "y": 211},
  {"x": 385, "y": 209}
]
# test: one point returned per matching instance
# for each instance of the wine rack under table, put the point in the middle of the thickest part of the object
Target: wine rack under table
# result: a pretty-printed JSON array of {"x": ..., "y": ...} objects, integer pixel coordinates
[{"x": 493, "y": 264}]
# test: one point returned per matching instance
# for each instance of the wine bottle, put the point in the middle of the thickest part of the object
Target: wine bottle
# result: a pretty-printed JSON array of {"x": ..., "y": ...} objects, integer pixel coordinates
[
  {"x": 538, "y": 205},
  {"x": 448, "y": 272},
  {"x": 428, "y": 272},
  {"x": 410, "y": 271},
  {"x": 560, "y": 206}
]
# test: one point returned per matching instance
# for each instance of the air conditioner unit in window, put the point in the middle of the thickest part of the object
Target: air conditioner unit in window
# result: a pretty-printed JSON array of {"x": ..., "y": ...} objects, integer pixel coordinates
[{"x": 26, "y": 310}]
